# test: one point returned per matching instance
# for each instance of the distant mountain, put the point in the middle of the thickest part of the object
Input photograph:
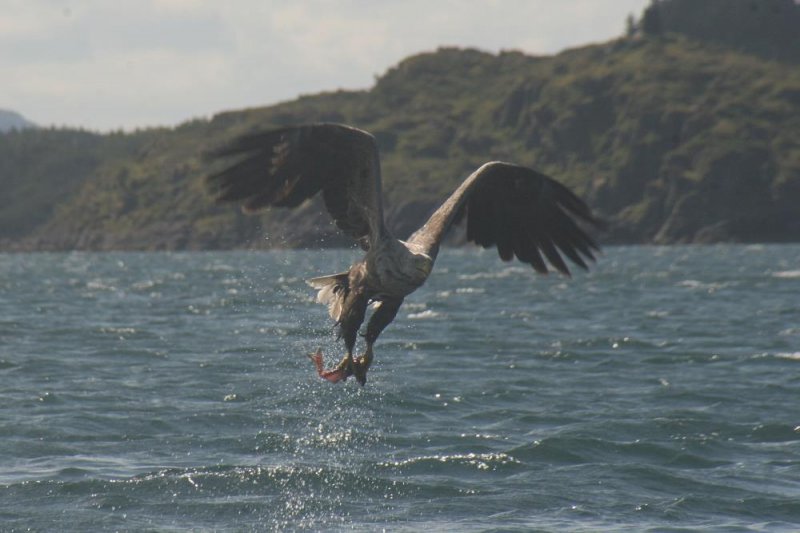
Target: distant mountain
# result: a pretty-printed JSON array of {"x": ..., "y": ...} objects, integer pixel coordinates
[
  {"x": 670, "y": 138},
  {"x": 12, "y": 120}
]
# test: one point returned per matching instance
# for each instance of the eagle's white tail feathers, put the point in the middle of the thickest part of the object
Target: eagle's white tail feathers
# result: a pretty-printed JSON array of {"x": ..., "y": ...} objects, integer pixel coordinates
[{"x": 332, "y": 290}]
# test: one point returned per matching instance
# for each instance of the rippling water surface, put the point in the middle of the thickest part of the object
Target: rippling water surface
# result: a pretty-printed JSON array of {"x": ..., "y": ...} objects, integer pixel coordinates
[{"x": 171, "y": 391}]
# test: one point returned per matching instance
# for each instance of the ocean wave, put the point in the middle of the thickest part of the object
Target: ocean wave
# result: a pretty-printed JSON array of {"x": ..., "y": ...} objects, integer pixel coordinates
[
  {"x": 262, "y": 479},
  {"x": 578, "y": 450},
  {"x": 709, "y": 287},
  {"x": 99, "y": 284},
  {"x": 304, "y": 496},
  {"x": 220, "y": 267},
  {"x": 118, "y": 330},
  {"x": 470, "y": 290},
  {"x": 495, "y": 274},
  {"x": 787, "y": 274},
  {"x": 479, "y": 461},
  {"x": 424, "y": 315},
  {"x": 776, "y": 432}
]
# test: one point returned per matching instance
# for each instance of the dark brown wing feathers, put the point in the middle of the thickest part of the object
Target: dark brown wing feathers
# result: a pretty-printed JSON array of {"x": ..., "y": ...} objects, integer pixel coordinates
[
  {"x": 523, "y": 213},
  {"x": 529, "y": 215},
  {"x": 283, "y": 168}
]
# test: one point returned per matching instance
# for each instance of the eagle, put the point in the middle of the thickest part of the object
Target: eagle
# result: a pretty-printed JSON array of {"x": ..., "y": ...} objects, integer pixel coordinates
[{"x": 521, "y": 212}]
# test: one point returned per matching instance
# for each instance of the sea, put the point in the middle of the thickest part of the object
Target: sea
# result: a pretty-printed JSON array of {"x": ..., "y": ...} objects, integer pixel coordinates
[{"x": 660, "y": 391}]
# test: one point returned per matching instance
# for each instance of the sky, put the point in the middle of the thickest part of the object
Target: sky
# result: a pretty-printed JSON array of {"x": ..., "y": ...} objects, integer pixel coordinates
[{"x": 125, "y": 64}]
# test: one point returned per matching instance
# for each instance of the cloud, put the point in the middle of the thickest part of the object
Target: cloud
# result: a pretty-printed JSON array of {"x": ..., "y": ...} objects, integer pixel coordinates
[{"x": 133, "y": 63}]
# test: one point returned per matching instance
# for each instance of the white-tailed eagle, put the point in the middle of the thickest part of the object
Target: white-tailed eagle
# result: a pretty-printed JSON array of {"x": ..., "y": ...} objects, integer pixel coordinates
[{"x": 519, "y": 210}]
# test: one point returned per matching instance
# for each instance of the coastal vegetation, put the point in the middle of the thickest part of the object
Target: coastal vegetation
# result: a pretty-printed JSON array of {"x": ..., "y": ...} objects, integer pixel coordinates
[{"x": 671, "y": 136}]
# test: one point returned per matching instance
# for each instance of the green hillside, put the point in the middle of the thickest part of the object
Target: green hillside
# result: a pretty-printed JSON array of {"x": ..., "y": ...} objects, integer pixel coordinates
[{"x": 670, "y": 139}]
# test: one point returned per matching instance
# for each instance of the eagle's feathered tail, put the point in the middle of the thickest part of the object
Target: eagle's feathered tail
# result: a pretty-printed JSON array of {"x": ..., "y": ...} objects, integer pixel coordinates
[{"x": 332, "y": 291}]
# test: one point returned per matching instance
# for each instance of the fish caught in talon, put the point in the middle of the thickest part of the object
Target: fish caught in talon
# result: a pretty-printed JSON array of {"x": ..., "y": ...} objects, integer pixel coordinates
[
  {"x": 316, "y": 358},
  {"x": 518, "y": 210},
  {"x": 339, "y": 373}
]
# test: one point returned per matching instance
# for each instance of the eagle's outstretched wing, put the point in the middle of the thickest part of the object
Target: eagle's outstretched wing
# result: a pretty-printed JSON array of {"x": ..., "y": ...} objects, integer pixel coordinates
[
  {"x": 521, "y": 211},
  {"x": 284, "y": 167}
]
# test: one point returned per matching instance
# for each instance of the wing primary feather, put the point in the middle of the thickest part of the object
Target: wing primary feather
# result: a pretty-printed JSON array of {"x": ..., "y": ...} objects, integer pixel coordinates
[
  {"x": 561, "y": 238},
  {"x": 526, "y": 250},
  {"x": 248, "y": 143},
  {"x": 567, "y": 199},
  {"x": 553, "y": 256},
  {"x": 239, "y": 181},
  {"x": 579, "y": 239},
  {"x": 568, "y": 249},
  {"x": 536, "y": 260},
  {"x": 575, "y": 244}
]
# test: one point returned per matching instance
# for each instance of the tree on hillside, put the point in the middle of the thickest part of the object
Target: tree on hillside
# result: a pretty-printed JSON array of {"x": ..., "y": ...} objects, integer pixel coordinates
[
  {"x": 630, "y": 25},
  {"x": 651, "y": 19}
]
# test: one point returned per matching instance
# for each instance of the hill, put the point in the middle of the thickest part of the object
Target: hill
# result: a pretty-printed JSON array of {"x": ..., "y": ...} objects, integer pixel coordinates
[
  {"x": 10, "y": 120},
  {"x": 671, "y": 139}
]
